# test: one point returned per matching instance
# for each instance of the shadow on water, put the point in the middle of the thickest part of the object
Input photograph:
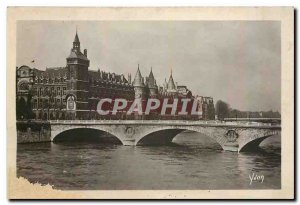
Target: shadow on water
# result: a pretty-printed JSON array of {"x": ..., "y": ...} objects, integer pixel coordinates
[
  {"x": 263, "y": 151},
  {"x": 195, "y": 140},
  {"x": 86, "y": 135},
  {"x": 192, "y": 161},
  {"x": 269, "y": 147}
]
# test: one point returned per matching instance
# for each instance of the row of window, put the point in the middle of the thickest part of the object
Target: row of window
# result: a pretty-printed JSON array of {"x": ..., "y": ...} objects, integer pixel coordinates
[
  {"x": 54, "y": 103},
  {"x": 110, "y": 83},
  {"x": 112, "y": 94},
  {"x": 112, "y": 86},
  {"x": 49, "y": 80},
  {"x": 55, "y": 91}
]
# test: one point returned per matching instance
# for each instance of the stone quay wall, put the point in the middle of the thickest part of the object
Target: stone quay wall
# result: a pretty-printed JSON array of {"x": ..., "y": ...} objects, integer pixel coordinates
[{"x": 29, "y": 132}]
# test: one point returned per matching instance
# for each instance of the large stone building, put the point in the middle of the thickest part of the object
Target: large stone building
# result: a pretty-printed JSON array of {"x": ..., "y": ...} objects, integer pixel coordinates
[{"x": 73, "y": 91}]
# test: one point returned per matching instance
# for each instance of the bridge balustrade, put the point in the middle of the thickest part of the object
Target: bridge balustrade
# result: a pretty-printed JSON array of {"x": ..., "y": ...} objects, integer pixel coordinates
[{"x": 166, "y": 122}]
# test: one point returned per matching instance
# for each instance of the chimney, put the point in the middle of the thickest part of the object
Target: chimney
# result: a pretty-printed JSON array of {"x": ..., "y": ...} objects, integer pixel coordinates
[{"x": 85, "y": 52}]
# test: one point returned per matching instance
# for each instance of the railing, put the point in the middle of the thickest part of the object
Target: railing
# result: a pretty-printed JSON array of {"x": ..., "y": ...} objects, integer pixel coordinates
[
  {"x": 251, "y": 119},
  {"x": 168, "y": 122}
]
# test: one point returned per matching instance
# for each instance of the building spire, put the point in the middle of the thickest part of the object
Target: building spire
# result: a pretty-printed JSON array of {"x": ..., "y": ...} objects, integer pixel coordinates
[
  {"x": 138, "y": 79},
  {"x": 151, "y": 82},
  {"x": 171, "y": 84},
  {"x": 76, "y": 39},
  {"x": 151, "y": 73},
  {"x": 76, "y": 43}
]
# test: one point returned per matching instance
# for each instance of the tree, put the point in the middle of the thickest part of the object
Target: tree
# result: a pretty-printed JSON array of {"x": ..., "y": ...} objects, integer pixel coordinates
[
  {"x": 29, "y": 112},
  {"x": 222, "y": 109},
  {"x": 21, "y": 108}
]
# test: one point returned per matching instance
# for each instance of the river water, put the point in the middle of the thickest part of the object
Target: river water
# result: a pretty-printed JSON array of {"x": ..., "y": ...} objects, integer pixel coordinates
[{"x": 195, "y": 162}]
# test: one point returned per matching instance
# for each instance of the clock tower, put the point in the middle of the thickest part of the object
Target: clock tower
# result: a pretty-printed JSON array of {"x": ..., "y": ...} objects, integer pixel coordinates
[{"x": 77, "y": 82}]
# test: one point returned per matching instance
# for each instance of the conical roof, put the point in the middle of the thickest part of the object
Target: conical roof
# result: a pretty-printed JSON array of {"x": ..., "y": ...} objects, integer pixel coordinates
[
  {"x": 151, "y": 80},
  {"x": 151, "y": 76},
  {"x": 171, "y": 84},
  {"x": 76, "y": 39},
  {"x": 138, "y": 79}
]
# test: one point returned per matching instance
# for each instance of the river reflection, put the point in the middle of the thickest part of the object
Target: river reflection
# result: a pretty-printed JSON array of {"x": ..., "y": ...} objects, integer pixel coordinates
[{"x": 195, "y": 162}]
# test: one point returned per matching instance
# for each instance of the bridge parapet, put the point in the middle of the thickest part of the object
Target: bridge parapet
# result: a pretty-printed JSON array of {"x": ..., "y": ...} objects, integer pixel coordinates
[
  {"x": 231, "y": 136},
  {"x": 170, "y": 122}
]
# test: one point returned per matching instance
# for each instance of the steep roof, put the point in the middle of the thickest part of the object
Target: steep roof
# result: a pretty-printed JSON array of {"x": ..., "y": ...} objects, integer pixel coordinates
[
  {"x": 138, "y": 79},
  {"x": 78, "y": 54},
  {"x": 109, "y": 77},
  {"x": 76, "y": 39},
  {"x": 151, "y": 80},
  {"x": 56, "y": 71},
  {"x": 171, "y": 84},
  {"x": 75, "y": 51}
]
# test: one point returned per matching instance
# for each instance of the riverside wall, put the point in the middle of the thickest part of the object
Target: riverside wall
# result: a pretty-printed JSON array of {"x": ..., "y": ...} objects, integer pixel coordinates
[{"x": 30, "y": 132}]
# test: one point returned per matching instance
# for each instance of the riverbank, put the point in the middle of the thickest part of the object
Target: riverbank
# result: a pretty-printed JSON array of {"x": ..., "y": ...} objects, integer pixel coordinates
[{"x": 29, "y": 132}]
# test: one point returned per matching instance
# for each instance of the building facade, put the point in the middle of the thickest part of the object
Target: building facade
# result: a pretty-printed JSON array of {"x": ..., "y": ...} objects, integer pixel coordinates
[{"x": 73, "y": 92}]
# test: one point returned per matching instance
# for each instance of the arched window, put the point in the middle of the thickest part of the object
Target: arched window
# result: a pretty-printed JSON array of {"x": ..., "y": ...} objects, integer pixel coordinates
[
  {"x": 40, "y": 103},
  {"x": 23, "y": 86},
  {"x": 35, "y": 91},
  {"x": 35, "y": 103},
  {"x": 46, "y": 91}
]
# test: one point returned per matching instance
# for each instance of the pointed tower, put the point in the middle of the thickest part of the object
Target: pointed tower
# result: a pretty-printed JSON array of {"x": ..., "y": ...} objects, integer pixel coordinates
[
  {"x": 139, "y": 92},
  {"x": 171, "y": 87},
  {"x": 77, "y": 81},
  {"x": 76, "y": 43},
  {"x": 171, "y": 84},
  {"x": 138, "y": 84},
  {"x": 152, "y": 84}
]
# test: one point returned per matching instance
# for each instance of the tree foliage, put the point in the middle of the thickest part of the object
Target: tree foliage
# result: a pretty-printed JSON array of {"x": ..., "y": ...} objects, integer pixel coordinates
[
  {"x": 24, "y": 109},
  {"x": 222, "y": 109}
]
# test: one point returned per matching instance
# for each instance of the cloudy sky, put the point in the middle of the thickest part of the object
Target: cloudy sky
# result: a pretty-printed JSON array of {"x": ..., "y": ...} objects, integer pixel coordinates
[{"x": 235, "y": 61}]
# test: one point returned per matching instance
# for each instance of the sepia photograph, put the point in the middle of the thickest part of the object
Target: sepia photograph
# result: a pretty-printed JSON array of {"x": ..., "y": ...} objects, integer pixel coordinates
[{"x": 158, "y": 104}]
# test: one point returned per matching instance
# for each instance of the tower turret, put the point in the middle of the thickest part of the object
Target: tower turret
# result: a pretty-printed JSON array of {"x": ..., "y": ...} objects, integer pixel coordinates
[
  {"x": 152, "y": 84},
  {"x": 138, "y": 84},
  {"x": 77, "y": 81},
  {"x": 171, "y": 84},
  {"x": 139, "y": 93},
  {"x": 76, "y": 43},
  {"x": 171, "y": 88}
]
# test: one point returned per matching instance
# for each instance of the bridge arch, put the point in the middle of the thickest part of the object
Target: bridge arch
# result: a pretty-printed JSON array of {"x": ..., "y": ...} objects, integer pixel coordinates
[
  {"x": 159, "y": 137},
  {"x": 85, "y": 134},
  {"x": 162, "y": 136},
  {"x": 252, "y": 143}
]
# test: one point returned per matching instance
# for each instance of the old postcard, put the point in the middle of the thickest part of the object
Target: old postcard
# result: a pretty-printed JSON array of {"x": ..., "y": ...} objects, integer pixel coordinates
[{"x": 150, "y": 103}]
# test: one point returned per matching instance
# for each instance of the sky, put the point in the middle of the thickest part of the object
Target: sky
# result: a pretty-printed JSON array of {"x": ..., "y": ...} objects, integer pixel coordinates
[{"x": 238, "y": 62}]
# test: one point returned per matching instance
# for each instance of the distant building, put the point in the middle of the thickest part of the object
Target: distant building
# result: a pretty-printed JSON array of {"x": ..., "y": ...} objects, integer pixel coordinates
[{"x": 73, "y": 91}]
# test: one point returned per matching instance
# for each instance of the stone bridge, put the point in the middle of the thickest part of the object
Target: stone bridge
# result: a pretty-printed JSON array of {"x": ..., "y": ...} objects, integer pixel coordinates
[{"x": 232, "y": 136}]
